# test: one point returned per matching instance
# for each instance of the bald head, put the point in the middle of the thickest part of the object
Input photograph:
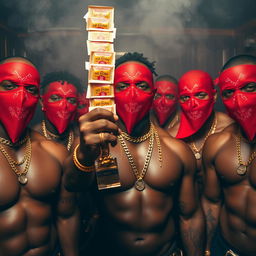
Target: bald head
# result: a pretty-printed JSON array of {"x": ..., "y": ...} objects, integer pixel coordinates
[
  {"x": 239, "y": 60},
  {"x": 17, "y": 59},
  {"x": 19, "y": 70},
  {"x": 167, "y": 78}
]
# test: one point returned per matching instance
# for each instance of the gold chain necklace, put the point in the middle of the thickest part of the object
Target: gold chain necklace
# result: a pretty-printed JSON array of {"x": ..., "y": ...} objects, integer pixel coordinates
[
  {"x": 138, "y": 139},
  {"x": 22, "y": 174},
  {"x": 9, "y": 143},
  {"x": 70, "y": 140},
  {"x": 242, "y": 168},
  {"x": 140, "y": 184},
  {"x": 198, "y": 150},
  {"x": 160, "y": 156},
  {"x": 47, "y": 134}
]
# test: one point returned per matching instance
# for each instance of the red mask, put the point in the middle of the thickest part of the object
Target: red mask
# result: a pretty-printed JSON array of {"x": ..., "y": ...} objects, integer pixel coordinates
[
  {"x": 163, "y": 106},
  {"x": 133, "y": 103},
  {"x": 195, "y": 111},
  {"x": 241, "y": 105},
  {"x": 17, "y": 105},
  {"x": 60, "y": 113},
  {"x": 83, "y": 105}
]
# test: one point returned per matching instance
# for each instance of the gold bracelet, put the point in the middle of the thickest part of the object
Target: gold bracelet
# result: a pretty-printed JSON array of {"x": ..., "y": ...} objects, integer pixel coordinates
[
  {"x": 80, "y": 166},
  {"x": 207, "y": 253}
]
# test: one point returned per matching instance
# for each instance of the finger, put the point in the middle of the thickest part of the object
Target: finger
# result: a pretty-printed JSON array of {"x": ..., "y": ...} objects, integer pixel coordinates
[
  {"x": 101, "y": 125},
  {"x": 100, "y": 138},
  {"x": 99, "y": 113}
]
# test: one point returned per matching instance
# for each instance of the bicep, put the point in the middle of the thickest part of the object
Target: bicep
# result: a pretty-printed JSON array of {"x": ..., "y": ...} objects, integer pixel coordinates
[
  {"x": 67, "y": 202},
  {"x": 188, "y": 200},
  {"x": 212, "y": 189}
]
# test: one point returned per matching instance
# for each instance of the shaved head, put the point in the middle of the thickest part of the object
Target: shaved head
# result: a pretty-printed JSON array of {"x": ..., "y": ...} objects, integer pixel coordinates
[
  {"x": 17, "y": 59},
  {"x": 239, "y": 60},
  {"x": 167, "y": 78}
]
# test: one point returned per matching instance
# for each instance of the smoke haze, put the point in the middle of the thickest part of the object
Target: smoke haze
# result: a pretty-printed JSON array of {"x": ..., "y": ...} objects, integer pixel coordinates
[{"x": 54, "y": 30}]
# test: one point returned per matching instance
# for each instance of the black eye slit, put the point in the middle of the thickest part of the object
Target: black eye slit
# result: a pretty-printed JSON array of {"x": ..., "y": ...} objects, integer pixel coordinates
[{"x": 250, "y": 87}]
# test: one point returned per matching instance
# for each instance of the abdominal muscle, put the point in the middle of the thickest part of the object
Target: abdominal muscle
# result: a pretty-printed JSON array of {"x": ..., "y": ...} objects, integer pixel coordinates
[
  {"x": 26, "y": 229},
  {"x": 238, "y": 219},
  {"x": 142, "y": 222}
]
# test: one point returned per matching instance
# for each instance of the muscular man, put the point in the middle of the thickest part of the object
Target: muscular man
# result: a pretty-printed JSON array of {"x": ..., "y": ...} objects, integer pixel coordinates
[
  {"x": 156, "y": 205},
  {"x": 165, "y": 102},
  {"x": 59, "y": 105},
  {"x": 198, "y": 118},
  {"x": 36, "y": 211},
  {"x": 229, "y": 162}
]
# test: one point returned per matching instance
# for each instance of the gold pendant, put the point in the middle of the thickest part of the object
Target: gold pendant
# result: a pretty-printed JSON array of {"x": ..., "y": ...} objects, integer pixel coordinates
[
  {"x": 241, "y": 170},
  {"x": 23, "y": 179},
  {"x": 197, "y": 156},
  {"x": 107, "y": 173},
  {"x": 107, "y": 170},
  {"x": 140, "y": 184}
]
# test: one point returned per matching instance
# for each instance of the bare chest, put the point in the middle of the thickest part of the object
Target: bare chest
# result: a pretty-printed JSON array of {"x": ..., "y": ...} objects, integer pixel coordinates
[
  {"x": 136, "y": 169},
  {"x": 233, "y": 169},
  {"x": 42, "y": 179}
]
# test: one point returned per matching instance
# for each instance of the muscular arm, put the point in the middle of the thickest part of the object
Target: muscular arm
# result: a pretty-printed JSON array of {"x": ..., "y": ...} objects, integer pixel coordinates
[
  {"x": 76, "y": 180},
  {"x": 211, "y": 200},
  {"x": 68, "y": 223},
  {"x": 67, "y": 213},
  {"x": 90, "y": 126},
  {"x": 192, "y": 223}
]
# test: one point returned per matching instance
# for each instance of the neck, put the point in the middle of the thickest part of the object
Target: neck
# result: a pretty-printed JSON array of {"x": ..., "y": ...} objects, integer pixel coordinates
[
  {"x": 141, "y": 128},
  {"x": 244, "y": 136},
  {"x": 4, "y": 134},
  {"x": 52, "y": 129},
  {"x": 203, "y": 131},
  {"x": 171, "y": 120}
]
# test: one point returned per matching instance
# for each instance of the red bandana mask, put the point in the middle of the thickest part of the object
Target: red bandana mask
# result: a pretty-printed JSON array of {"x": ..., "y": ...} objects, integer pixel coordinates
[
  {"x": 17, "y": 105},
  {"x": 162, "y": 106},
  {"x": 133, "y": 104},
  {"x": 83, "y": 105},
  {"x": 195, "y": 111},
  {"x": 60, "y": 113},
  {"x": 241, "y": 105}
]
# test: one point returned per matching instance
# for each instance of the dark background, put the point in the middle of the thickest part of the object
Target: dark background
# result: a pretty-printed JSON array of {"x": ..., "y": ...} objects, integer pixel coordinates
[{"x": 178, "y": 34}]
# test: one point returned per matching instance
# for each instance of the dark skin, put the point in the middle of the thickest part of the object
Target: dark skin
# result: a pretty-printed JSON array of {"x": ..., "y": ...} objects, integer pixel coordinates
[
  {"x": 88, "y": 214},
  {"x": 173, "y": 118},
  {"x": 142, "y": 222},
  {"x": 35, "y": 215},
  {"x": 171, "y": 123},
  {"x": 229, "y": 198},
  {"x": 64, "y": 137},
  {"x": 223, "y": 120}
]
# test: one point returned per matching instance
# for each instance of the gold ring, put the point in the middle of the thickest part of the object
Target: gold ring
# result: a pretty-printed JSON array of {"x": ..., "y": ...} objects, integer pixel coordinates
[{"x": 101, "y": 137}]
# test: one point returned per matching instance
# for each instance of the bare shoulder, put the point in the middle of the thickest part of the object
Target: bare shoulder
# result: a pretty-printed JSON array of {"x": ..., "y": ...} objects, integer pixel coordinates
[
  {"x": 176, "y": 146},
  {"x": 217, "y": 141},
  {"x": 53, "y": 148},
  {"x": 223, "y": 120}
]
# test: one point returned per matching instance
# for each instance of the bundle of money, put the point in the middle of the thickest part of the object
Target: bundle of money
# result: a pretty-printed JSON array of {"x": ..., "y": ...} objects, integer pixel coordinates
[{"x": 101, "y": 64}]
